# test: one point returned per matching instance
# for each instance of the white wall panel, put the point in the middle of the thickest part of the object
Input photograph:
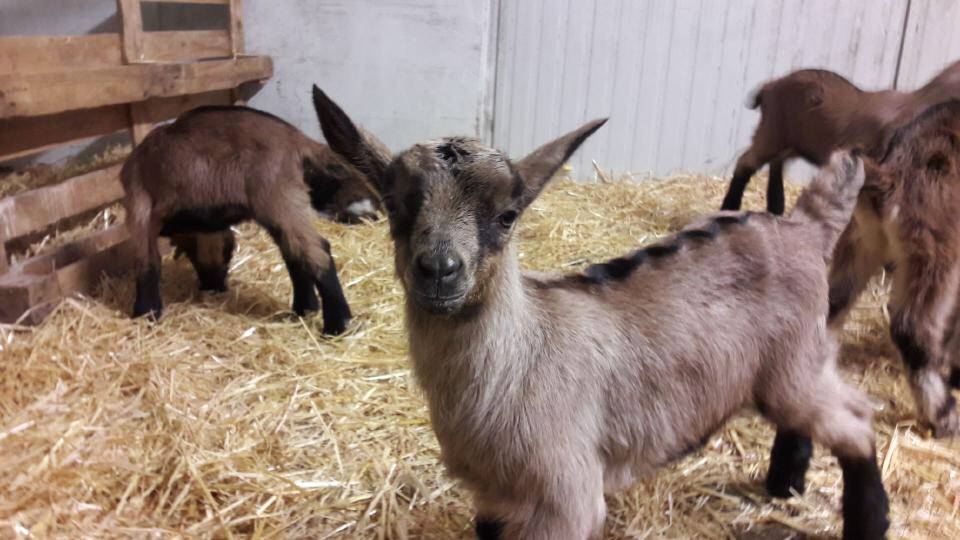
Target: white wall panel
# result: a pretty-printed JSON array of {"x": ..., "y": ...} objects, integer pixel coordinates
[{"x": 673, "y": 75}]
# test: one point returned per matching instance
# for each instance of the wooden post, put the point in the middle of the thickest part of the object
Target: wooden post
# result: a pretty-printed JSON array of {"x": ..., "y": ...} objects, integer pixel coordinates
[
  {"x": 236, "y": 40},
  {"x": 132, "y": 30}
]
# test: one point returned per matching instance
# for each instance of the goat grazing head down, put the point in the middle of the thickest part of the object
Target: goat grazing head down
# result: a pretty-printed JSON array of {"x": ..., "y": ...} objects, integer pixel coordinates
[{"x": 546, "y": 391}]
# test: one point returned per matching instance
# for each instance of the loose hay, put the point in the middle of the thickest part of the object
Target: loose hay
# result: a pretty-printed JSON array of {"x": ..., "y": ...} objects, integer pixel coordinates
[{"x": 232, "y": 418}]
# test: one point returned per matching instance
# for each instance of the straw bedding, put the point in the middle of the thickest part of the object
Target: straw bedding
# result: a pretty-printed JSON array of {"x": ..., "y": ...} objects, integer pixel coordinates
[{"x": 232, "y": 418}]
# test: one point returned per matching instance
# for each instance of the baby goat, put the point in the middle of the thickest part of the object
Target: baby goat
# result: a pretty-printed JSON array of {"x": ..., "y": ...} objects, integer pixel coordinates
[
  {"x": 217, "y": 166},
  {"x": 545, "y": 392},
  {"x": 812, "y": 112},
  {"x": 907, "y": 215}
]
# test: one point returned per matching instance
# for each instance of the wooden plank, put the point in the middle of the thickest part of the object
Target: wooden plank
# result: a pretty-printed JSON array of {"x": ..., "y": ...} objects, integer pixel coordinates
[
  {"x": 132, "y": 30},
  {"x": 37, "y": 54},
  {"x": 37, "y": 209},
  {"x": 4, "y": 263},
  {"x": 217, "y": 2},
  {"x": 179, "y": 45},
  {"x": 48, "y": 93},
  {"x": 39, "y": 133},
  {"x": 139, "y": 126},
  {"x": 72, "y": 252},
  {"x": 21, "y": 293},
  {"x": 236, "y": 27}
]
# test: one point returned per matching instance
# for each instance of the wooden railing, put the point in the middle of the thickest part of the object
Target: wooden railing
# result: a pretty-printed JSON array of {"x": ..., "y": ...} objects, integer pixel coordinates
[{"x": 61, "y": 90}]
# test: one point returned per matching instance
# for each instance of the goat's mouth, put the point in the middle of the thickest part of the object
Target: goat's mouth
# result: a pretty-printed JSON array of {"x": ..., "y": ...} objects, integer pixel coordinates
[{"x": 438, "y": 305}]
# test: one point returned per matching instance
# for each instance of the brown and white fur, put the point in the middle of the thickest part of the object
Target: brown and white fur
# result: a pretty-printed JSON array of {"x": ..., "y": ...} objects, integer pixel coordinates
[
  {"x": 813, "y": 112},
  {"x": 907, "y": 215},
  {"x": 547, "y": 391},
  {"x": 217, "y": 166}
]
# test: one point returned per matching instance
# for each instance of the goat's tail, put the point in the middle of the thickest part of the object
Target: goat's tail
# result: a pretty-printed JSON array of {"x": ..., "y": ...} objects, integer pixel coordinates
[
  {"x": 755, "y": 96},
  {"x": 828, "y": 202}
]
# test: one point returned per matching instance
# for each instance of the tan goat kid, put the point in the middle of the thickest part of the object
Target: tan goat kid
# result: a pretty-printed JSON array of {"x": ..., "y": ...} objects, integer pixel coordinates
[
  {"x": 545, "y": 392},
  {"x": 908, "y": 214}
]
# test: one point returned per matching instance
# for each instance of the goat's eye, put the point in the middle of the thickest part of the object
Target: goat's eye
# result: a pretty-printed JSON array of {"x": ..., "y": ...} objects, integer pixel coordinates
[{"x": 507, "y": 218}]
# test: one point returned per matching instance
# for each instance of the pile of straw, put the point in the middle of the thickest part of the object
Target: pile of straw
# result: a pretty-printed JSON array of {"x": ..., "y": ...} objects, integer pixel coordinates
[{"x": 232, "y": 418}]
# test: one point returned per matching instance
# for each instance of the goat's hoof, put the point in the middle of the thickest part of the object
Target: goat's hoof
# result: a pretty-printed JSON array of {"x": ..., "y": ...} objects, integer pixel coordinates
[
  {"x": 214, "y": 287},
  {"x": 779, "y": 487},
  {"x": 335, "y": 326},
  {"x": 152, "y": 312}
]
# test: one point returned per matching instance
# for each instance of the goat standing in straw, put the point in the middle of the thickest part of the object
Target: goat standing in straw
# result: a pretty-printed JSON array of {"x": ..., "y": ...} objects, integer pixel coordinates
[
  {"x": 545, "y": 392},
  {"x": 215, "y": 167},
  {"x": 813, "y": 112},
  {"x": 907, "y": 214}
]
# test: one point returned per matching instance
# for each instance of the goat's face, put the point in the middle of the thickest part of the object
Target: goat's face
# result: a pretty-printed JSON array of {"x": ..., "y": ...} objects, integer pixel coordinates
[{"x": 452, "y": 203}]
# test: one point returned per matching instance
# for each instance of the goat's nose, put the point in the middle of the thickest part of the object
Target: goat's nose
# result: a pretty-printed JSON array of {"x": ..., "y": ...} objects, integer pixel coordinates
[{"x": 439, "y": 265}]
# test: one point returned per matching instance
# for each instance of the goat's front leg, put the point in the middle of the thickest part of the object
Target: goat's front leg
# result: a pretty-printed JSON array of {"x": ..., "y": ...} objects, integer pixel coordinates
[
  {"x": 858, "y": 256},
  {"x": 569, "y": 505},
  {"x": 922, "y": 302}
]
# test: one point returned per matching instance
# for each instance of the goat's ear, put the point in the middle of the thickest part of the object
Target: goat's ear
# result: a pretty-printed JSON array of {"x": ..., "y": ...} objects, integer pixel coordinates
[
  {"x": 538, "y": 167},
  {"x": 360, "y": 148}
]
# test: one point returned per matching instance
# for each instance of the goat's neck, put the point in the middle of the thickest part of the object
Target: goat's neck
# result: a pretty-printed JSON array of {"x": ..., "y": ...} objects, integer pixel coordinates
[{"x": 490, "y": 342}]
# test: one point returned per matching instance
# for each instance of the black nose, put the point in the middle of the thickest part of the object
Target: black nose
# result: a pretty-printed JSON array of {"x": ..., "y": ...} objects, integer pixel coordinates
[{"x": 438, "y": 265}]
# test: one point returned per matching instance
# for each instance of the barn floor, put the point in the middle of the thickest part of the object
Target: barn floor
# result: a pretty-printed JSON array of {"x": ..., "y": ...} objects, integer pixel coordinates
[{"x": 232, "y": 418}]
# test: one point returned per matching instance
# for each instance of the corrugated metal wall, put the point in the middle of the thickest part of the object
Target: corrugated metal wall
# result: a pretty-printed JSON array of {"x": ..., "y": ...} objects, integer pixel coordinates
[{"x": 674, "y": 75}]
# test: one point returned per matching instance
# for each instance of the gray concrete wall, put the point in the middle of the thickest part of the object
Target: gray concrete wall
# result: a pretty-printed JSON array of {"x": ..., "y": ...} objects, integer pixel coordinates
[{"x": 407, "y": 70}]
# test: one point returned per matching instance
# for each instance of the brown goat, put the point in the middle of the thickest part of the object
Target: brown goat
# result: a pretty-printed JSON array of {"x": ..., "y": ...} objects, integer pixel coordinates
[
  {"x": 812, "y": 112},
  {"x": 217, "y": 166},
  {"x": 907, "y": 215},
  {"x": 545, "y": 392}
]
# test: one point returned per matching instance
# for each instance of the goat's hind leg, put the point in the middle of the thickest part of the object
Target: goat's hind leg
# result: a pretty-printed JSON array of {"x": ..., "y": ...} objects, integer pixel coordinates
[
  {"x": 921, "y": 308},
  {"x": 808, "y": 400},
  {"x": 789, "y": 461},
  {"x": 144, "y": 232},
  {"x": 310, "y": 265}
]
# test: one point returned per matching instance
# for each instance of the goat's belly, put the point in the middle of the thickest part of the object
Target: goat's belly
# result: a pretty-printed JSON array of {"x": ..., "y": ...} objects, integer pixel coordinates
[{"x": 210, "y": 219}]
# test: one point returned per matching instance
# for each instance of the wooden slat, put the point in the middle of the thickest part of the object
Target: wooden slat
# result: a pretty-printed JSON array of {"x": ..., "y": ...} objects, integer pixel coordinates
[
  {"x": 39, "y": 208},
  {"x": 236, "y": 27},
  {"x": 132, "y": 30},
  {"x": 185, "y": 45},
  {"x": 72, "y": 252},
  {"x": 23, "y": 55},
  {"x": 48, "y": 93},
  {"x": 39, "y": 133},
  {"x": 55, "y": 92},
  {"x": 21, "y": 293},
  {"x": 218, "y": 2}
]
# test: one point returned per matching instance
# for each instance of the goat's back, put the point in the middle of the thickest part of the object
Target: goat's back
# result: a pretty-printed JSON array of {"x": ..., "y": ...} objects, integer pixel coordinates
[{"x": 218, "y": 156}]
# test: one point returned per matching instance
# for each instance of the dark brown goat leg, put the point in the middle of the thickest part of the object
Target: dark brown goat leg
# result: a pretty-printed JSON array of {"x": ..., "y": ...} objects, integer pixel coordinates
[{"x": 775, "y": 196}]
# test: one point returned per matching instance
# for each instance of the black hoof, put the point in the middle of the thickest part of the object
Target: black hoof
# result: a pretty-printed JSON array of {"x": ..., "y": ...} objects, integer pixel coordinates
[
  {"x": 152, "y": 310},
  {"x": 336, "y": 320}
]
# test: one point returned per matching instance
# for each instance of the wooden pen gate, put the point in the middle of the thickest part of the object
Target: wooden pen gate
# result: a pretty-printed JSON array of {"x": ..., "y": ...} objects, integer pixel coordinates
[{"x": 58, "y": 90}]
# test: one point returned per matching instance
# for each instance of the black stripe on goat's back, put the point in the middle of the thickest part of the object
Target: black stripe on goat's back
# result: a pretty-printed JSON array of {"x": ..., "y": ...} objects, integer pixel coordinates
[
  {"x": 621, "y": 267},
  {"x": 235, "y": 109}
]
